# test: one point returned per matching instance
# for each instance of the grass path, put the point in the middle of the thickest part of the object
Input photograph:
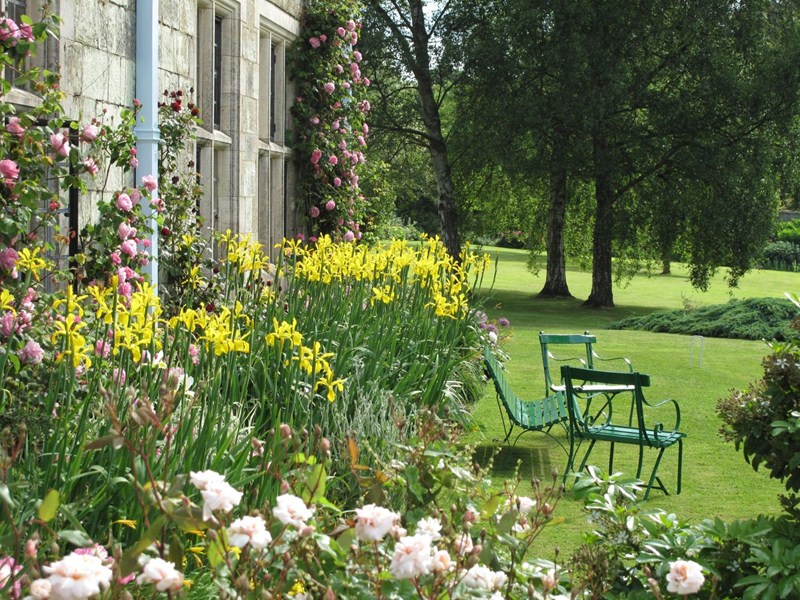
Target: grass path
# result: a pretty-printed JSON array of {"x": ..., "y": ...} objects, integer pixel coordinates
[{"x": 717, "y": 481}]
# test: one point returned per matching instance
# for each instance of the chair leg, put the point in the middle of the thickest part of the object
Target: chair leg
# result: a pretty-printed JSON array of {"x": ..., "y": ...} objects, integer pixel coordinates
[
  {"x": 611, "y": 459},
  {"x": 653, "y": 475},
  {"x": 680, "y": 464},
  {"x": 503, "y": 420},
  {"x": 570, "y": 458},
  {"x": 586, "y": 456},
  {"x": 641, "y": 460}
]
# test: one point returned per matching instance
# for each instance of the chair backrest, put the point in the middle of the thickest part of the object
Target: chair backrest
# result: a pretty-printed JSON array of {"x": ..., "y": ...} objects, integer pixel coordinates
[
  {"x": 573, "y": 377},
  {"x": 565, "y": 339}
]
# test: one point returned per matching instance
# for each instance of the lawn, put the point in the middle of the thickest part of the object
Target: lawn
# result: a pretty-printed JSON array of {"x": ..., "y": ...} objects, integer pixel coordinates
[{"x": 716, "y": 479}]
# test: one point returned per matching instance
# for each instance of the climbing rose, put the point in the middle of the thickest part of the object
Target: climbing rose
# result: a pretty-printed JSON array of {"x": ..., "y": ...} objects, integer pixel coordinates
[
  {"x": 314, "y": 41},
  {"x": 249, "y": 530},
  {"x": 14, "y": 128},
  {"x": 89, "y": 132},
  {"x": 60, "y": 143},
  {"x": 412, "y": 557},
  {"x": 9, "y": 170},
  {"x": 330, "y": 205},
  {"x": 162, "y": 574},
  {"x": 78, "y": 576},
  {"x": 124, "y": 203},
  {"x": 150, "y": 183},
  {"x": 314, "y": 212},
  {"x": 31, "y": 354},
  {"x": 8, "y": 259},
  {"x": 685, "y": 577},
  {"x": 329, "y": 87},
  {"x": 291, "y": 510},
  {"x": 9, "y": 30},
  {"x": 374, "y": 522},
  {"x": 8, "y": 571},
  {"x": 316, "y": 155}
]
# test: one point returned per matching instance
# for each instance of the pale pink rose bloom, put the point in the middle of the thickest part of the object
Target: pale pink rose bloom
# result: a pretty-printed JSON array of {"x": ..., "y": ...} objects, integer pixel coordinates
[
  {"x": 9, "y": 30},
  {"x": 464, "y": 544},
  {"x": 59, "y": 143},
  {"x": 219, "y": 495},
  {"x": 481, "y": 577},
  {"x": 315, "y": 120},
  {"x": 357, "y": 56},
  {"x": 133, "y": 162},
  {"x": 353, "y": 38},
  {"x": 40, "y": 589},
  {"x": 202, "y": 479},
  {"x": 150, "y": 183},
  {"x": 314, "y": 212},
  {"x": 31, "y": 353},
  {"x": 124, "y": 230},
  {"x": 330, "y": 205},
  {"x": 14, "y": 128},
  {"x": 158, "y": 204},
  {"x": 316, "y": 155},
  {"x": 8, "y": 258},
  {"x": 8, "y": 572},
  {"x": 314, "y": 41},
  {"x": 412, "y": 557},
  {"x": 115, "y": 258},
  {"x": 341, "y": 31},
  {"x": 136, "y": 195},
  {"x": 350, "y": 25},
  {"x": 549, "y": 580},
  {"x": 162, "y": 574},
  {"x": 338, "y": 69},
  {"x": 334, "y": 160},
  {"x": 343, "y": 145},
  {"x": 441, "y": 561},
  {"x": 91, "y": 166},
  {"x": 431, "y": 527},
  {"x": 323, "y": 38},
  {"x": 685, "y": 577},
  {"x": 291, "y": 510},
  {"x": 124, "y": 203},
  {"x": 349, "y": 236},
  {"x": 525, "y": 504},
  {"x": 249, "y": 530},
  {"x": 77, "y": 576},
  {"x": 128, "y": 247},
  {"x": 9, "y": 171},
  {"x": 89, "y": 132},
  {"x": 373, "y": 522},
  {"x": 337, "y": 182},
  {"x": 8, "y": 324},
  {"x": 329, "y": 87},
  {"x": 366, "y": 81},
  {"x": 365, "y": 128},
  {"x": 26, "y": 32}
]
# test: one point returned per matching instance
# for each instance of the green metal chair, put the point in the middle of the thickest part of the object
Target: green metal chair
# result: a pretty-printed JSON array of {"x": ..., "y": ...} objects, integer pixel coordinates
[{"x": 601, "y": 428}]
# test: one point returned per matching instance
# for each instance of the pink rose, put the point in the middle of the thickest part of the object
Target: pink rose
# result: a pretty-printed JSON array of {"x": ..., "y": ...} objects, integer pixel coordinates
[
  {"x": 341, "y": 31},
  {"x": 314, "y": 41},
  {"x": 136, "y": 195},
  {"x": 133, "y": 162},
  {"x": 31, "y": 354},
  {"x": 333, "y": 160},
  {"x": 150, "y": 183},
  {"x": 91, "y": 166},
  {"x": 353, "y": 38},
  {"x": 350, "y": 25},
  {"x": 26, "y": 32},
  {"x": 316, "y": 155},
  {"x": 9, "y": 171},
  {"x": 365, "y": 128},
  {"x": 315, "y": 120},
  {"x": 125, "y": 231},
  {"x": 335, "y": 125},
  {"x": 115, "y": 258},
  {"x": 14, "y": 128},
  {"x": 338, "y": 69},
  {"x": 314, "y": 212},
  {"x": 158, "y": 204},
  {"x": 9, "y": 30},
  {"x": 343, "y": 145},
  {"x": 357, "y": 56},
  {"x": 323, "y": 38},
  {"x": 124, "y": 203},
  {"x": 60, "y": 144},
  {"x": 349, "y": 236},
  {"x": 362, "y": 141},
  {"x": 128, "y": 247},
  {"x": 346, "y": 85},
  {"x": 89, "y": 132},
  {"x": 337, "y": 182},
  {"x": 366, "y": 81},
  {"x": 330, "y": 205},
  {"x": 329, "y": 87},
  {"x": 8, "y": 259}
]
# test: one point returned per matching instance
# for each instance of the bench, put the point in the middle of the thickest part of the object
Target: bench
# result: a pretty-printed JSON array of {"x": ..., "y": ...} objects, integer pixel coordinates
[
  {"x": 528, "y": 415},
  {"x": 643, "y": 433}
]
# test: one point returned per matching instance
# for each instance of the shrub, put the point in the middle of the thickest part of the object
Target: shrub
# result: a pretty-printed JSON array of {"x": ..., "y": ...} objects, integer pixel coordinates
[
  {"x": 780, "y": 256},
  {"x": 751, "y": 319}
]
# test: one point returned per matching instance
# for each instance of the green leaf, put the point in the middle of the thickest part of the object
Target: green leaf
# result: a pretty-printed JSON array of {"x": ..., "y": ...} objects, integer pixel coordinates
[
  {"x": 507, "y": 521},
  {"x": 175, "y": 550},
  {"x": 75, "y": 537},
  {"x": 49, "y": 506},
  {"x": 216, "y": 549},
  {"x": 5, "y": 496},
  {"x": 314, "y": 484}
]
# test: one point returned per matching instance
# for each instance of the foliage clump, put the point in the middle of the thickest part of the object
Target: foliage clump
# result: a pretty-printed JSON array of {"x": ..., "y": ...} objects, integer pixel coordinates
[{"x": 751, "y": 319}]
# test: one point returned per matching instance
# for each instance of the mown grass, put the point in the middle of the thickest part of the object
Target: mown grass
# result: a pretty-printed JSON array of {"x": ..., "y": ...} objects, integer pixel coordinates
[{"x": 716, "y": 479}]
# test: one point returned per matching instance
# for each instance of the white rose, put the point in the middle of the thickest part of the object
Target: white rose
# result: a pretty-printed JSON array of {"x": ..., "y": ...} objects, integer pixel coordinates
[
  {"x": 412, "y": 557},
  {"x": 291, "y": 510},
  {"x": 685, "y": 577},
  {"x": 249, "y": 530},
  {"x": 374, "y": 522},
  {"x": 162, "y": 574}
]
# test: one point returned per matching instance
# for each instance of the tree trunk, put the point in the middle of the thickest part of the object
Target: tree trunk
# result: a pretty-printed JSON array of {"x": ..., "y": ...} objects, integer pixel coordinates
[
  {"x": 555, "y": 285},
  {"x": 602, "y": 295},
  {"x": 448, "y": 214}
]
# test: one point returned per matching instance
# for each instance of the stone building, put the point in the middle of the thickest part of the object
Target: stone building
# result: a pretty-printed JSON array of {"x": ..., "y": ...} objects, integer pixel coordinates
[{"x": 232, "y": 52}]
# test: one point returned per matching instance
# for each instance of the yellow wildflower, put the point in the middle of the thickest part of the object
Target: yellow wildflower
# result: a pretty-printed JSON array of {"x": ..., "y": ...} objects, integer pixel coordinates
[{"x": 29, "y": 260}]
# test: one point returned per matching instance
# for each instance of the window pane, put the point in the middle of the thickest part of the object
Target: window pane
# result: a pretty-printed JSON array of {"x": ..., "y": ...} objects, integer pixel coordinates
[{"x": 217, "y": 72}]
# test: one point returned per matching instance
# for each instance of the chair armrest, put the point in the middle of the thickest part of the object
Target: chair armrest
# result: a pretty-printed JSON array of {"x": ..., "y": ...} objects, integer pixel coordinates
[
  {"x": 622, "y": 358},
  {"x": 582, "y": 361},
  {"x": 660, "y": 426}
]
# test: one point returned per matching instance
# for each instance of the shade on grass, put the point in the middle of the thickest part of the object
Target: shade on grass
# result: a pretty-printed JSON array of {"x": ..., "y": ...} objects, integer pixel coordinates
[{"x": 717, "y": 481}]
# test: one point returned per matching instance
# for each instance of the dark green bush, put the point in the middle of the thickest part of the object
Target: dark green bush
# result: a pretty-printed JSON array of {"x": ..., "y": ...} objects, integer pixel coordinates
[
  {"x": 789, "y": 231},
  {"x": 752, "y": 319},
  {"x": 780, "y": 256}
]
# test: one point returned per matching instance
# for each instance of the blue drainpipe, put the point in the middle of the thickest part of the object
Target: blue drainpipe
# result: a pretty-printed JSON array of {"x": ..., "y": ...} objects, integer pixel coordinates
[{"x": 146, "y": 129}]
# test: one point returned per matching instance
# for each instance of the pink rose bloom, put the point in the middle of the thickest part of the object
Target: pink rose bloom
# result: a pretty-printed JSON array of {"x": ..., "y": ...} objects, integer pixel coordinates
[
  {"x": 102, "y": 348},
  {"x": 357, "y": 56},
  {"x": 9, "y": 171},
  {"x": 60, "y": 144},
  {"x": 161, "y": 574},
  {"x": 362, "y": 141},
  {"x": 346, "y": 85},
  {"x": 350, "y": 25},
  {"x": 338, "y": 69},
  {"x": 365, "y": 128},
  {"x": 89, "y": 132},
  {"x": 341, "y": 31},
  {"x": 412, "y": 557},
  {"x": 353, "y": 38},
  {"x": 133, "y": 162},
  {"x": 337, "y": 182},
  {"x": 373, "y": 522},
  {"x": 335, "y": 125},
  {"x": 330, "y": 205},
  {"x": 26, "y": 32},
  {"x": 115, "y": 259},
  {"x": 149, "y": 182},
  {"x": 158, "y": 204},
  {"x": 31, "y": 354},
  {"x": 125, "y": 289},
  {"x": 316, "y": 155},
  {"x": 8, "y": 572},
  {"x": 333, "y": 160},
  {"x": 349, "y": 236},
  {"x": 136, "y": 195},
  {"x": 291, "y": 510},
  {"x": 124, "y": 203},
  {"x": 8, "y": 258},
  {"x": 314, "y": 212},
  {"x": 314, "y": 41},
  {"x": 315, "y": 120},
  {"x": 124, "y": 230},
  {"x": 366, "y": 81},
  {"x": 323, "y": 38},
  {"x": 91, "y": 166},
  {"x": 14, "y": 128},
  {"x": 343, "y": 145},
  {"x": 9, "y": 30},
  {"x": 128, "y": 247},
  {"x": 329, "y": 87}
]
